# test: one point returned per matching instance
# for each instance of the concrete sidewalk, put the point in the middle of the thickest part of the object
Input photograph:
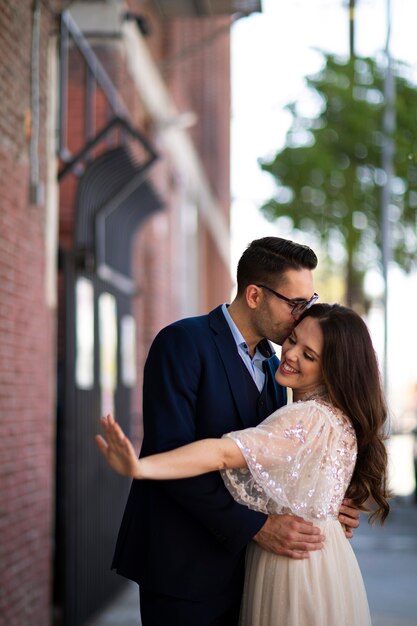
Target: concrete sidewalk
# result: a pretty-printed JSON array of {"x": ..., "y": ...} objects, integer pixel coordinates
[
  {"x": 122, "y": 611},
  {"x": 388, "y": 560}
]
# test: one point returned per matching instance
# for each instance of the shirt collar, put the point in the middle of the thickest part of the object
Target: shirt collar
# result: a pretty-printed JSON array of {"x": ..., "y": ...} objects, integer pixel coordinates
[
  {"x": 237, "y": 335},
  {"x": 264, "y": 346}
]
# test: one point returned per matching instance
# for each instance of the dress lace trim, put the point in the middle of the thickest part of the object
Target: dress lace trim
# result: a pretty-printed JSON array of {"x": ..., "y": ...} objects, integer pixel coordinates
[{"x": 319, "y": 393}]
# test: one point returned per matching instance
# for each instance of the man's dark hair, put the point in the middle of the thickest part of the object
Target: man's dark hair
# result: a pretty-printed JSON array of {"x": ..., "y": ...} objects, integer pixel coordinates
[{"x": 266, "y": 260}]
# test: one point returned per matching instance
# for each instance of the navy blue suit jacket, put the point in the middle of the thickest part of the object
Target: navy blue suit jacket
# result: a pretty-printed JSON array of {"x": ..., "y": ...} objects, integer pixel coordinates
[{"x": 186, "y": 538}]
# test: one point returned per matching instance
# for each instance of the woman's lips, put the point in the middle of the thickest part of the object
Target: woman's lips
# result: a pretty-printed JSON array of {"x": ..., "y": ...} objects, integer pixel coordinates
[{"x": 287, "y": 369}]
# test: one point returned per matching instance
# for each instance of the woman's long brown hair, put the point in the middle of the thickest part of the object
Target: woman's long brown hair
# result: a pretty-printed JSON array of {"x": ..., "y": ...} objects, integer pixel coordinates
[{"x": 352, "y": 379}]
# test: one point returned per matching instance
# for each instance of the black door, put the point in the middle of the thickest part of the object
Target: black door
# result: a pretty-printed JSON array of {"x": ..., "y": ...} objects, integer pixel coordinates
[{"x": 96, "y": 373}]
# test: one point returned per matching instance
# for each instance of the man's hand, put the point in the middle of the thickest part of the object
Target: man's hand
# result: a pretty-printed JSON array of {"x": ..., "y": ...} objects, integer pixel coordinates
[
  {"x": 288, "y": 535},
  {"x": 348, "y": 517}
]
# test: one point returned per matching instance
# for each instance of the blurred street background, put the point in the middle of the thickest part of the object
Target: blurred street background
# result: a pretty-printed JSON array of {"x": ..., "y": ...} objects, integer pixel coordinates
[{"x": 388, "y": 555}]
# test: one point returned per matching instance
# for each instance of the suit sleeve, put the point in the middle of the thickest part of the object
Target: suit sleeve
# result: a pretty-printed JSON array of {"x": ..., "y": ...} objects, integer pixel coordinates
[{"x": 172, "y": 407}]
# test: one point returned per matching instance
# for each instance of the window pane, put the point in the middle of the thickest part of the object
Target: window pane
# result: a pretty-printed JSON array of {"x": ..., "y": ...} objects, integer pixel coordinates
[
  {"x": 128, "y": 348},
  {"x": 107, "y": 313},
  {"x": 84, "y": 331}
]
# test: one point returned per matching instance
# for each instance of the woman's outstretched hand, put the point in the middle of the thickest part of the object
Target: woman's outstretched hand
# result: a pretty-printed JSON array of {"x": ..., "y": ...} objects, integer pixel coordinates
[{"x": 117, "y": 449}]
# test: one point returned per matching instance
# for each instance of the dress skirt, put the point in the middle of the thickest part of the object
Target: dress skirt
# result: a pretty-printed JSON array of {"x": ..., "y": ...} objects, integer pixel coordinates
[{"x": 325, "y": 590}]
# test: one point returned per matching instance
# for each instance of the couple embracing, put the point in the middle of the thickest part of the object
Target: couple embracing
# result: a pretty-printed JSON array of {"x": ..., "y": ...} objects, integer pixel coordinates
[{"x": 292, "y": 477}]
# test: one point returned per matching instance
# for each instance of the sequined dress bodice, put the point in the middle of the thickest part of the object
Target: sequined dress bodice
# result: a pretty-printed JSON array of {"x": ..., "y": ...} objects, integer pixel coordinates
[{"x": 300, "y": 461}]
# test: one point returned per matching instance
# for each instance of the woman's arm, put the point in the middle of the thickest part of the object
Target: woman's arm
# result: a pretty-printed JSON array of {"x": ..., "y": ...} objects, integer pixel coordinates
[{"x": 199, "y": 457}]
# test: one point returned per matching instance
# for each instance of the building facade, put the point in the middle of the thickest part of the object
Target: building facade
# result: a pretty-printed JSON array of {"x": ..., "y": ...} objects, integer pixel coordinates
[{"x": 114, "y": 187}]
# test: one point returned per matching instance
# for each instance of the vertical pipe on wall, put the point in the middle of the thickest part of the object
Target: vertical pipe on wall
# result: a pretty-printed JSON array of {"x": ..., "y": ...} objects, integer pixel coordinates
[
  {"x": 35, "y": 188},
  {"x": 63, "y": 91}
]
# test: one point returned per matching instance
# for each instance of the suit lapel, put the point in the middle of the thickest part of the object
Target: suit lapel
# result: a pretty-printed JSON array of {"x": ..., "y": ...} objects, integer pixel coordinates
[{"x": 232, "y": 363}]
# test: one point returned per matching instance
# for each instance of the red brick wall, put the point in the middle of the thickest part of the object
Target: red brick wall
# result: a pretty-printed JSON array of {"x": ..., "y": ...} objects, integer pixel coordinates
[
  {"x": 27, "y": 337},
  {"x": 197, "y": 67},
  {"x": 193, "y": 55},
  {"x": 198, "y": 81},
  {"x": 198, "y": 71},
  {"x": 28, "y": 324}
]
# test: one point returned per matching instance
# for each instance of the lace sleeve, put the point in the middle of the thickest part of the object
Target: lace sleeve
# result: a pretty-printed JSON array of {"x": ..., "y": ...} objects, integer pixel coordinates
[{"x": 300, "y": 460}]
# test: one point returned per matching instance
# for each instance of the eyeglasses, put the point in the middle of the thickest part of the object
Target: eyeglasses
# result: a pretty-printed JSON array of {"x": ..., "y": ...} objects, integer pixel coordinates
[{"x": 298, "y": 306}]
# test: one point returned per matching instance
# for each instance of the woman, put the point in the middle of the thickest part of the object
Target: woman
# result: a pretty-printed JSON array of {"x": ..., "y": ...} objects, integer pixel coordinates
[{"x": 302, "y": 459}]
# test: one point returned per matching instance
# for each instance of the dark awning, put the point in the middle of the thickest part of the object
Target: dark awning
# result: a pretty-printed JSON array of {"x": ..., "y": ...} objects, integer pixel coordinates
[{"x": 113, "y": 200}]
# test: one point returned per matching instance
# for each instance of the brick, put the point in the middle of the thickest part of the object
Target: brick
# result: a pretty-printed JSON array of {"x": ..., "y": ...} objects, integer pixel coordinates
[{"x": 28, "y": 328}]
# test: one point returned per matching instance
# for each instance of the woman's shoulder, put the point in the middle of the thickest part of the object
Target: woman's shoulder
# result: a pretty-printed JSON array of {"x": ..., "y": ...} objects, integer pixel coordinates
[
  {"x": 317, "y": 408},
  {"x": 337, "y": 419}
]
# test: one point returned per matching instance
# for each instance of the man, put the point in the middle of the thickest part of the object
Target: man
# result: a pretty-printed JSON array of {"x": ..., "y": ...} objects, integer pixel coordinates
[{"x": 184, "y": 541}]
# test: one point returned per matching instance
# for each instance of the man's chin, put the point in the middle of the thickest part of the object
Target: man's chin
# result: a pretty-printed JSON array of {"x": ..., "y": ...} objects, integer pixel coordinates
[{"x": 279, "y": 339}]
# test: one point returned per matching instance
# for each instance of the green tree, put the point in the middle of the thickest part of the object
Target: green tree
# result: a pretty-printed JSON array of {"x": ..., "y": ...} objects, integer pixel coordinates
[{"x": 329, "y": 174}]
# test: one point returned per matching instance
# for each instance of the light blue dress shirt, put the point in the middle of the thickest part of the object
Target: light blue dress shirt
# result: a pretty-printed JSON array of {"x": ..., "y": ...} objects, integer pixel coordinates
[{"x": 253, "y": 364}]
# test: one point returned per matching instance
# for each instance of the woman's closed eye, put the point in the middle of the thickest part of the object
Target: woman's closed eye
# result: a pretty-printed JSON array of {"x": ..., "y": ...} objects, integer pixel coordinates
[{"x": 293, "y": 340}]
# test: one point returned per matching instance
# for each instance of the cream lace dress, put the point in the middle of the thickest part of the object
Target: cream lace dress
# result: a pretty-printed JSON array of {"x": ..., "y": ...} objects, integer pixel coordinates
[{"x": 300, "y": 461}]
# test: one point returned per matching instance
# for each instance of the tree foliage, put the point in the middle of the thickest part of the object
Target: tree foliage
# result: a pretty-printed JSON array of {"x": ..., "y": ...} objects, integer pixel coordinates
[{"x": 329, "y": 175}]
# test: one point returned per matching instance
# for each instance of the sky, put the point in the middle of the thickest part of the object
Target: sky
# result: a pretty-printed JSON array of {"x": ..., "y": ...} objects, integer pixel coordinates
[{"x": 272, "y": 51}]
